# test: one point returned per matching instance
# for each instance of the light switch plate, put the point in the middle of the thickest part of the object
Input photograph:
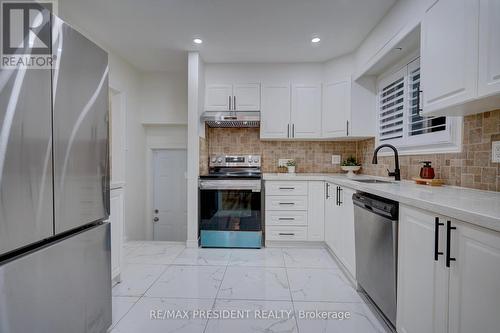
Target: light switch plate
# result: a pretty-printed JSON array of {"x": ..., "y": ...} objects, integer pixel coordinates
[
  {"x": 336, "y": 159},
  {"x": 495, "y": 151},
  {"x": 284, "y": 161}
]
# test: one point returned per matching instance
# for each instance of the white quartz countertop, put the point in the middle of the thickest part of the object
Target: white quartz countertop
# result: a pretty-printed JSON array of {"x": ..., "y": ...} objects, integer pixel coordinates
[{"x": 477, "y": 207}]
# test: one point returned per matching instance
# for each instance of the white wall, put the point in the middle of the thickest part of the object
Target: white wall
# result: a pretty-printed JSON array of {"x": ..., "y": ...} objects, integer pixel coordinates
[
  {"x": 404, "y": 15},
  {"x": 196, "y": 90},
  {"x": 125, "y": 79},
  {"x": 246, "y": 73},
  {"x": 338, "y": 69},
  {"x": 164, "y": 97}
]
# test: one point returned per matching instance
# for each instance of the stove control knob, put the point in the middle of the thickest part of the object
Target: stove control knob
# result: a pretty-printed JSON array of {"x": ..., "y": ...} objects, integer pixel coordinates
[
  {"x": 256, "y": 160},
  {"x": 214, "y": 159},
  {"x": 219, "y": 160}
]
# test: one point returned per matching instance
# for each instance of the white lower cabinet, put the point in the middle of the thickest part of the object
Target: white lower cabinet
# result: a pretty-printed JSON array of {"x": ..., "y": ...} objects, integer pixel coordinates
[
  {"x": 339, "y": 225},
  {"x": 294, "y": 210},
  {"x": 116, "y": 221},
  {"x": 441, "y": 290}
]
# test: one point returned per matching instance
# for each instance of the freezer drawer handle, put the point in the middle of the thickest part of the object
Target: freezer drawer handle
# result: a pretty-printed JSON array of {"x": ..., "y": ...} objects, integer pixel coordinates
[
  {"x": 287, "y": 203},
  {"x": 287, "y": 188},
  {"x": 437, "y": 253},
  {"x": 449, "y": 228},
  {"x": 286, "y": 234},
  {"x": 286, "y": 219}
]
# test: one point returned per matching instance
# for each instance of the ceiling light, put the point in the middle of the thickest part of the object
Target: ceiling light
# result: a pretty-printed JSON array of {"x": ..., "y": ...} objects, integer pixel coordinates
[
  {"x": 197, "y": 41},
  {"x": 315, "y": 40}
]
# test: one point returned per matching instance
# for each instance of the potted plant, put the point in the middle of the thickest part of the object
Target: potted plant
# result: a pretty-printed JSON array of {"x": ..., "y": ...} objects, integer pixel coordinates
[
  {"x": 291, "y": 166},
  {"x": 350, "y": 165}
]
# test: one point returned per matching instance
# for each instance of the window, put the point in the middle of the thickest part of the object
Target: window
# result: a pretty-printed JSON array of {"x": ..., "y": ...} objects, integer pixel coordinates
[{"x": 400, "y": 122}]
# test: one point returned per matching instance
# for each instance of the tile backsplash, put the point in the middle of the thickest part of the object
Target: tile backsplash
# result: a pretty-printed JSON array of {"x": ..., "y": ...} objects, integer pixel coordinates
[
  {"x": 471, "y": 168},
  {"x": 311, "y": 156}
]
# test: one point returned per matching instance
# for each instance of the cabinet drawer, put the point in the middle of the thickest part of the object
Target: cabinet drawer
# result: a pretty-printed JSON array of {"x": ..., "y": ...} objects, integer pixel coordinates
[
  {"x": 286, "y": 233},
  {"x": 286, "y": 188},
  {"x": 274, "y": 218},
  {"x": 283, "y": 202}
]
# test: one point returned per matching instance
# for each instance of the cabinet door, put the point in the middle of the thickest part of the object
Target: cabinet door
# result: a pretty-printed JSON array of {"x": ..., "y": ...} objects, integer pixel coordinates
[
  {"x": 330, "y": 218},
  {"x": 489, "y": 47},
  {"x": 315, "y": 211},
  {"x": 474, "y": 280},
  {"x": 246, "y": 97},
  {"x": 306, "y": 111},
  {"x": 336, "y": 109},
  {"x": 449, "y": 53},
  {"x": 218, "y": 97},
  {"x": 275, "y": 111},
  {"x": 422, "y": 296},
  {"x": 347, "y": 230}
]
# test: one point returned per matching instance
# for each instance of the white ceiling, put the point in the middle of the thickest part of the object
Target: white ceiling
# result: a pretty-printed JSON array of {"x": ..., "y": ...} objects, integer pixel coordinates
[{"x": 155, "y": 34}]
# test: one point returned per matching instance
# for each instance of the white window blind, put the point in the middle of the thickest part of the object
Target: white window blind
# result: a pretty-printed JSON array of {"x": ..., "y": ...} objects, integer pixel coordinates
[
  {"x": 391, "y": 107},
  {"x": 399, "y": 116},
  {"x": 418, "y": 125}
]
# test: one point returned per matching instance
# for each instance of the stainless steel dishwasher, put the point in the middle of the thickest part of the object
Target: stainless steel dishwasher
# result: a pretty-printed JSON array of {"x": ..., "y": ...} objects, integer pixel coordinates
[{"x": 376, "y": 236}]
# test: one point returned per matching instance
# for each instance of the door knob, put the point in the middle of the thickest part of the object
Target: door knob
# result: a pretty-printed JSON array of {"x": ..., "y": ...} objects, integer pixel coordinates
[{"x": 156, "y": 219}]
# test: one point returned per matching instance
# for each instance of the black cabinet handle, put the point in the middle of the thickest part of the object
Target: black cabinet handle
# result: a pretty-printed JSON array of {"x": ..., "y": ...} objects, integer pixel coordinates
[
  {"x": 229, "y": 103},
  {"x": 293, "y": 130},
  {"x": 327, "y": 191},
  {"x": 436, "y": 238},
  {"x": 287, "y": 203},
  {"x": 287, "y": 188},
  {"x": 340, "y": 194},
  {"x": 288, "y": 131},
  {"x": 286, "y": 219},
  {"x": 449, "y": 228},
  {"x": 286, "y": 234}
]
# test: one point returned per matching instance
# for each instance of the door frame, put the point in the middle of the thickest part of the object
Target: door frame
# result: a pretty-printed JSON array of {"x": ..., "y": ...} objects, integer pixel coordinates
[{"x": 151, "y": 148}]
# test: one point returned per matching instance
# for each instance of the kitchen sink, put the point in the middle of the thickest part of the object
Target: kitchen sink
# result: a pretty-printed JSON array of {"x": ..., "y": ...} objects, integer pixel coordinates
[{"x": 372, "y": 181}]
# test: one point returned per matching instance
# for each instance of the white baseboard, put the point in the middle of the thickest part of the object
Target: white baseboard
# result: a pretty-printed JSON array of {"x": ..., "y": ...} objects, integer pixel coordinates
[{"x": 192, "y": 243}]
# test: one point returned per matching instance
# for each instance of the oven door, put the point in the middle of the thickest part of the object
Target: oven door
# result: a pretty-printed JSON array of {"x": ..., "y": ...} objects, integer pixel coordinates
[{"x": 230, "y": 205}]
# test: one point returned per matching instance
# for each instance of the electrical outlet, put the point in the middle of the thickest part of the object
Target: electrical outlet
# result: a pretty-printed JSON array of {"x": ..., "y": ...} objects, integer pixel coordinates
[
  {"x": 335, "y": 159},
  {"x": 283, "y": 161},
  {"x": 495, "y": 152}
]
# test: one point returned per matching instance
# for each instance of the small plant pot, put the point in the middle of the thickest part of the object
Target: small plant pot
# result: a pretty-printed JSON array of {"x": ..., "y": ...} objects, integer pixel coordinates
[
  {"x": 291, "y": 168},
  {"x": 350, "y": 170}
]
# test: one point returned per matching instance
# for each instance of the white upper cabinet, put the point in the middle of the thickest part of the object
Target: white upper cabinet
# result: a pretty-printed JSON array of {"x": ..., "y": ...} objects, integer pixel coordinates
[
  {"x": 489, "y": 47},
  {"x": 229, "y": 97},
  {"x": 246, "y": 97},
  {"x": 460, "y": 57},
  {"x": 336, "y": 109},
  {"x": 349, "y": 108},
  {"x": 275, "y": 111},
  {"x": 306, "y": 111},
  {"x": 218, "y": 97},
  {"x": 449, "y": 58}
]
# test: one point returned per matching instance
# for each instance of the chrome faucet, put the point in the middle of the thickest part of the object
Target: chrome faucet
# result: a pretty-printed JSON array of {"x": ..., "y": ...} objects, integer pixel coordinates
[{"x": 397, "y": 173}]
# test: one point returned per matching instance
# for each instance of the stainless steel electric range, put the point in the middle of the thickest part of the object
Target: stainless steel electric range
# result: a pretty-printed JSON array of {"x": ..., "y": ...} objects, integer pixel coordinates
[{"x": 230, "y": 202}]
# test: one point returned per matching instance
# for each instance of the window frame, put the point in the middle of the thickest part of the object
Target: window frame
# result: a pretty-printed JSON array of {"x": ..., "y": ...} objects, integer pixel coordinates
[{"x": 447, "y": 141}]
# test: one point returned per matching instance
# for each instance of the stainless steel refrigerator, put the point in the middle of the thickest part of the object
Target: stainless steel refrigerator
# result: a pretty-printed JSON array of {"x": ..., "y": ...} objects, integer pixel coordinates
[{"x": 55, "y": 253}]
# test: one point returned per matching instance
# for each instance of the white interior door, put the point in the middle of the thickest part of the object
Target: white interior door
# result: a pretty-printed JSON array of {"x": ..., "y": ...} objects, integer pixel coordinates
[{"x": 169, "y": 195}]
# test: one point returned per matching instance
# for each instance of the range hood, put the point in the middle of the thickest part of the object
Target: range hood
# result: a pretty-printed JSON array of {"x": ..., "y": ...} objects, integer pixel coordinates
[{"x": 231, "y": 118}]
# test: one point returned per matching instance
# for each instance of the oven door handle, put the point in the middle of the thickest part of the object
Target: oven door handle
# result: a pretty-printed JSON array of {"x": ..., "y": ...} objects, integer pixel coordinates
[{"x": 242, "y": 185}]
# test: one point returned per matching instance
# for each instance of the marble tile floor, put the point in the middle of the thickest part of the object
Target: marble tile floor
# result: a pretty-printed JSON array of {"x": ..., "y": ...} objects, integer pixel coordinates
[{"x": 169, "y": 288}]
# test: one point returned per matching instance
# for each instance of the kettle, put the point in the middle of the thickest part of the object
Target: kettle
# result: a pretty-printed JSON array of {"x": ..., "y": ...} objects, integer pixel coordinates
[{"x": 427, "y": 171}]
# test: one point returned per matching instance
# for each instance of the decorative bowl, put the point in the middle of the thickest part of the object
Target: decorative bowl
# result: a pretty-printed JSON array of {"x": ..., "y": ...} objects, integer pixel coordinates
[{"x": 350, "y": 169}]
